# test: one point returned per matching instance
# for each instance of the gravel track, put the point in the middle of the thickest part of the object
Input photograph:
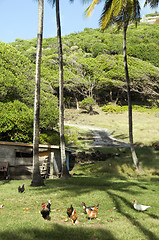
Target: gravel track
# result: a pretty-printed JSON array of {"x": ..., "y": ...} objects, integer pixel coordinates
[{"x": 101, "y": 136}]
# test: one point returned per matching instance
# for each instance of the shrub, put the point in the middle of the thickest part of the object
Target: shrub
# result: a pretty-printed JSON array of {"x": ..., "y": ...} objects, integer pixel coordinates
[
  {"x": 114, "y": 108},
  {"x": 87, "y": 104}
]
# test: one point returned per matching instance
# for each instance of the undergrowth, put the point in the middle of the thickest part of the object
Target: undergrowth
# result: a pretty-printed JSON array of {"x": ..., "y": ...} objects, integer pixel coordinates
[{"x": 110, "y": 108}]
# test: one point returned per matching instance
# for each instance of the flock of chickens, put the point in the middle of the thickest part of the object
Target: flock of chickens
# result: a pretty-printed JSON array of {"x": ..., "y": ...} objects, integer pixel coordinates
[
  {"x": 91, "y": 211},
  {"x": 71, "y": 213}
]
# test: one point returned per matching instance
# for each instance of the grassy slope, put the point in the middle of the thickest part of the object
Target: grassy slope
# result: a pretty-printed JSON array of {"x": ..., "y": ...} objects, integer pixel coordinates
[
  {"x": 112, "y": 183},
  {"x": 145, "y": 124}
]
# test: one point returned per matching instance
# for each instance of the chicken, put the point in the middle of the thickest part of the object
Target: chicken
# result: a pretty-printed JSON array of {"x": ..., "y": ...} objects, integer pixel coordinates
[
  {"x": 69, "y": 211},
  {"x": 92, "y": 213},
  {"x": 45, "y": 212},
  {"x": 21, "y": 189},
  {"x": 139, "y": 207},
  {"x": 90, "y": 207},
  {"x": 74, "y": 216},
  {"x": 1, "y": 206}
]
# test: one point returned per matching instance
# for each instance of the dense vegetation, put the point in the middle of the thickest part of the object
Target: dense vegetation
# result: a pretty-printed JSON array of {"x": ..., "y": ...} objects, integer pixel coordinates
[
  {"x": 93, "y": 64},
  {"x": 17, "y": 97},
  {"x": 93, "y": 73}
]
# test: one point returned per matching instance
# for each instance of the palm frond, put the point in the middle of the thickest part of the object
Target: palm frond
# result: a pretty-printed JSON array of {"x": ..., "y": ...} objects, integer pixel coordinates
[
  {"x": 52, "y": 2},
  {"x": 153, "y": 3},
  {"x": 111, "y": 12},
  {"x": 117, "y": 11},
  {"x": 90, "y": 9}
]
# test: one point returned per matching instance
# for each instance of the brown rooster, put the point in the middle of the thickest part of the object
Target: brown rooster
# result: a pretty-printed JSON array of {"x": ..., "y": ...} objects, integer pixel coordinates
[
  {"x": 69, "y": 211},
  {"x": 74, "y": 216},
  {"x": 92, "y": 213}
]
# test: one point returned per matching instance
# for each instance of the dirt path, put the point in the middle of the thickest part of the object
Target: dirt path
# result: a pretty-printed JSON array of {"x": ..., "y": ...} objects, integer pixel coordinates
[{"x": 101, "y": 136}]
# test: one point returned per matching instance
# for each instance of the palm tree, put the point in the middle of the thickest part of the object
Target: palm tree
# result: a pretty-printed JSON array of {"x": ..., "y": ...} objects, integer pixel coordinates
[
  {"x": 64, "y": 170},
  {"x": 121, "y": 12},
  {"x": 36, "y": 177}
]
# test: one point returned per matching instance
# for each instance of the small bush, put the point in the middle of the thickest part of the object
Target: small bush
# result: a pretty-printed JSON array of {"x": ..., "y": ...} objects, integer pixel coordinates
[
  {"x": 87, "y": 104},
  {"x": 50, "y": 138},
  {"x": 114, "y": 108}
]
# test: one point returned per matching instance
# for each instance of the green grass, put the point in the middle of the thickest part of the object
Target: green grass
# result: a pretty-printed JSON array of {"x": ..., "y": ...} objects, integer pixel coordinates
[
  {"x": 112, "y": 183},
  {"x": 145, "y": 124},
  {"x": 21, "y": 218}
]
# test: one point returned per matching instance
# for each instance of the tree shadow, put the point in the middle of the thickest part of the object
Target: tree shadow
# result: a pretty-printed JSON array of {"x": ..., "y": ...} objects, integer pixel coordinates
[
  {"x": 148, "y": 234},
  {"x": 89, "y": 184},
  {"x": 58, "y": 231},
  {"x": 2, "y": 182},
  {"x": 146, "y": 153}
]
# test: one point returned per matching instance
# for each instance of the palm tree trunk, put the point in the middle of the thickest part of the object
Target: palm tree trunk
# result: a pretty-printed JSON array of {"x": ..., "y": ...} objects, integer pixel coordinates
[
  {"x": 134, "y": 157},
  {"x": 36, "y": 177},
  {"x": 64, "y": 170}
]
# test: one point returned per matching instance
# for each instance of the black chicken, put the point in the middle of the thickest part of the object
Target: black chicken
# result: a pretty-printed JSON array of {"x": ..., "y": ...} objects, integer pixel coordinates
[
  {"x": 69, "y": 211},
  {"x": 21, "y": 189},
  {"x": 45, "y": 212}
]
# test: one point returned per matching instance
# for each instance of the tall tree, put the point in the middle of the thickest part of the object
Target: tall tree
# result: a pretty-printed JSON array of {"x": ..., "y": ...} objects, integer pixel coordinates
[
  {"x": 64, "y": 170},
  {"x": 121, "y": 12},
  {"x": 36, "y": 176}
]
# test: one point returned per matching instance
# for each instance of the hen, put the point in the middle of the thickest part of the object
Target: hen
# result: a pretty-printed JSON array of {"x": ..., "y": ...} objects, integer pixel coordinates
[
  {"x": 69, "y": 211},
  {"x": 74, "y": 216},
  {"x": 45, "y": 212},
  {"x": 21, "y": 189},
  {"x": 90, "y": 207},
  {"x": 92, "y": 213}
]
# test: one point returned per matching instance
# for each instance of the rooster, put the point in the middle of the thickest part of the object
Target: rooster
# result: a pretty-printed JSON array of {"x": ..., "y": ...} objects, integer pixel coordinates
[
  {"x": 45, "y": 212},
  {"x": 92, "y": 213},
  {"x": 21, "y": 189},
  {"x": 69, "y": 211},
  {"x": 90, "y": 207},
  {"x": 74, "y": 216}
]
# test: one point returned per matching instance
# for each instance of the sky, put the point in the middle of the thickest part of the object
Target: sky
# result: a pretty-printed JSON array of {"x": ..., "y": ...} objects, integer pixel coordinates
[{"x": 19, "y": 18}]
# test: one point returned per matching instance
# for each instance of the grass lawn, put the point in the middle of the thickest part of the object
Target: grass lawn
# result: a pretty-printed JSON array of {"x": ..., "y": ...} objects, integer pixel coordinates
[{"x": 21, "y": 218}]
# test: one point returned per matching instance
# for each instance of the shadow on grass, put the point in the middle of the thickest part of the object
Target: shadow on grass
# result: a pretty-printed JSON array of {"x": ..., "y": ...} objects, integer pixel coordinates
[
  {"x": 81, "y": 185},
  {"x": 148, "y": 234},
  {"x": 148, "y": 157},
  {"x": 58, "y": 232},
  {"x": 2, "y": 182}
]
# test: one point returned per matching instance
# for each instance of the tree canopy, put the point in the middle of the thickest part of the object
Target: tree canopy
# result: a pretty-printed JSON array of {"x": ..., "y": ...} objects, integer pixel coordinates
[
  {"x": 93, "y": 62},
  {"x": 17, "y": 97}
]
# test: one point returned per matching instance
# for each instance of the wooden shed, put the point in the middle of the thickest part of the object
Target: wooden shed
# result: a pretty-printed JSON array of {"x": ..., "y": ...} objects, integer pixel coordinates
[{"x": 19, "y": 157}]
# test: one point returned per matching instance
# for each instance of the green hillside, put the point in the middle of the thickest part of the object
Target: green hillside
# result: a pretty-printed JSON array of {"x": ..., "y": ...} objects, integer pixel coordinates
[
  {"x": 93, "y": 71},
  {"x": 93, "y": 64}
]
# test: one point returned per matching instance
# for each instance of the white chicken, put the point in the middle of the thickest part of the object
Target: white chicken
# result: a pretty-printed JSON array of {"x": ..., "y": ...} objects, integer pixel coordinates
[{"x": 139, "y": 207}]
